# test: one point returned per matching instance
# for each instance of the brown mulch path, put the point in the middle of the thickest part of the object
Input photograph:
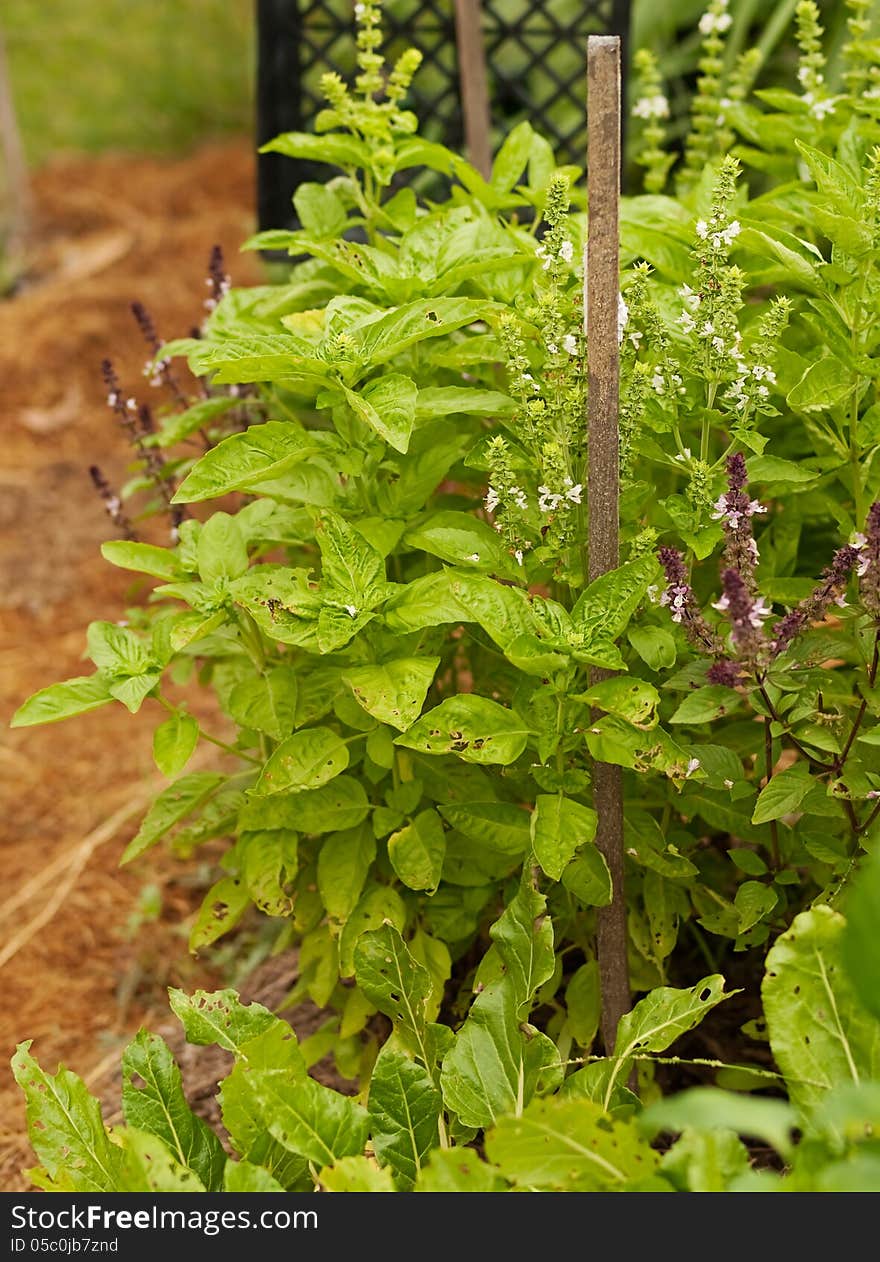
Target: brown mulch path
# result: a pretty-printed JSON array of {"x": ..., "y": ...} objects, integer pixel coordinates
[{"x": 107, "y": 231}]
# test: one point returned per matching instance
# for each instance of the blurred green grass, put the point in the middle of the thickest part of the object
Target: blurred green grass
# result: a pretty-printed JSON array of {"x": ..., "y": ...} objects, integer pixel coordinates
[{"x": 153, "y": 76}]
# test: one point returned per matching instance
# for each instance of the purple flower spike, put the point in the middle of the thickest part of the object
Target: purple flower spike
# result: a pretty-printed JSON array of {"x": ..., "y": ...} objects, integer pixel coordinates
[
  {"x": 830, "y": 591},
  {"x": 725, "y": 672},
  {"x": 680, "y": 600},
  {"x": 735, "y": 510},
  {"x": 745, "y": 613}
]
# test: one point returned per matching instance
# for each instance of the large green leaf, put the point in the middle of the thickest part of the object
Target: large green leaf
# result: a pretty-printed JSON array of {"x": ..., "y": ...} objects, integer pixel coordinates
[
  {"x": 265, "y": 703},
  {"x": 394, "y": 692},
  {"x": 309, "y": 1119},
  {"x": 335, "y": 806},
  {"x": 116, "y": 650},
  {"x": 826, "y": 383},
  {"x": 569, "y": 1145},
  {"x": 150, "y": 1166},
  {"x": 497, "y": 1060},
  {"x": 820, "y": 1034},
  {"x": 350, "y": 566},
  {"x": 782, "y": 794},
  {"x": 501, "y": 826},
  {"x": 560, "y": 826},
  {"x": 388, "y": 406},
  {"x": 523, "y": 934},
  {"x": 66, "y": 1128},
  {"x": 335, "y": 150},
  {"x": 395, "y": 983},
  {"x": 306, "y": 760},
  {"x": 344, "y": 860},
  {"x": 657, "y": 1021},
  {"x": 153, "y": 1101},
  {"x": 376, "y": 339},
  {"x": 62, "y": 701},
  {"x": 417, "y": 851},
  {"x": 460, "y": 539},
  {"x": 170, "y": 807},
  {"x": 404, "y": 1108},
  {"x": 475, "y": 728},
  {"x": 245, "y": 459},
  {"x": 219, "y": 1016},
  {"x": 377, "y": 904},
  {"x": 221, "y": 549},
  {"x": 174, "y": 743},
  {"x": 603, "y": 610},
  {"x": 145, "y": 558}
]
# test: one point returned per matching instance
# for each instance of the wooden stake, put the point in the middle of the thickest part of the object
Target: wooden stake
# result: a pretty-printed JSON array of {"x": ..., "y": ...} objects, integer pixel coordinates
[
  {"x": 474, "y": 85},
  {"x": 601, "y": 290}
]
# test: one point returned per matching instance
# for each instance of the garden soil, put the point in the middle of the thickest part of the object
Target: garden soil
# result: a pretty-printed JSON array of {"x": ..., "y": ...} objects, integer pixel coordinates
[{"x": 81, "y": 965}]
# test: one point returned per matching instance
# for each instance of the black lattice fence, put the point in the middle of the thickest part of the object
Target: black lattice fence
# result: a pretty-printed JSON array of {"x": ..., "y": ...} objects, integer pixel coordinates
[{"x": 535, "y": 56}]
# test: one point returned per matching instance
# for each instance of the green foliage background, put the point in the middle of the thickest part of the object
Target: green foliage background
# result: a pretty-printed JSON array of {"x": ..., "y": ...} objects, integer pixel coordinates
[{"x": 147, "y": 75}]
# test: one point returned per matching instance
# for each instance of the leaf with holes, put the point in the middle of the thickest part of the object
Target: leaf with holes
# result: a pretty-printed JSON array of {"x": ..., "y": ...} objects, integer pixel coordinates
[
  {"x": 404, "y": 1108},
  {"x": 395, "y": 983},
  {"x": 66, "y": 1128},
  {"x": 306, "y": 760},
  {"x": 222, "y": 908},
  {"x": 475, "y": 728},
  {"x": 153, "y": 1101},
  {"x": 569, "y": 1145},
  {"x": 394, "y": 692},
  {"x": 820, "y": 1034}
]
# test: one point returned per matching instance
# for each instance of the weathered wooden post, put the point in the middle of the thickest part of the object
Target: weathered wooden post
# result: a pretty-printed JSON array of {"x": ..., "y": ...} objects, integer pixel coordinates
[
  {"x": 472, "y": 76},
  {"x": 601, "y": 300}
]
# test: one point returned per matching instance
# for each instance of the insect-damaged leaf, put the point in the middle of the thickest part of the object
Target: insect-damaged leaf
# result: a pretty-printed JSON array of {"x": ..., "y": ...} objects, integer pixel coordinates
[
  {"x": 569, "y": 1145},
  {"x": 821, "y": 1035},
  {"x": 394, "y": 692},
  {"x": 475, "y": 728},
  {"x": 396, "y": 983},
  {"x": 404, "y": 1108},
  {"x": 306, "y": 760},
  {"x": 153, "y": 1101},
  {"x": 66, "y": 1128}
]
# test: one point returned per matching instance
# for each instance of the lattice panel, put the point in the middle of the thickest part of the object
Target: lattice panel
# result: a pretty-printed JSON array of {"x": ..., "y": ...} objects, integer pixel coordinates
[{"x": 535, "y": 53}]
